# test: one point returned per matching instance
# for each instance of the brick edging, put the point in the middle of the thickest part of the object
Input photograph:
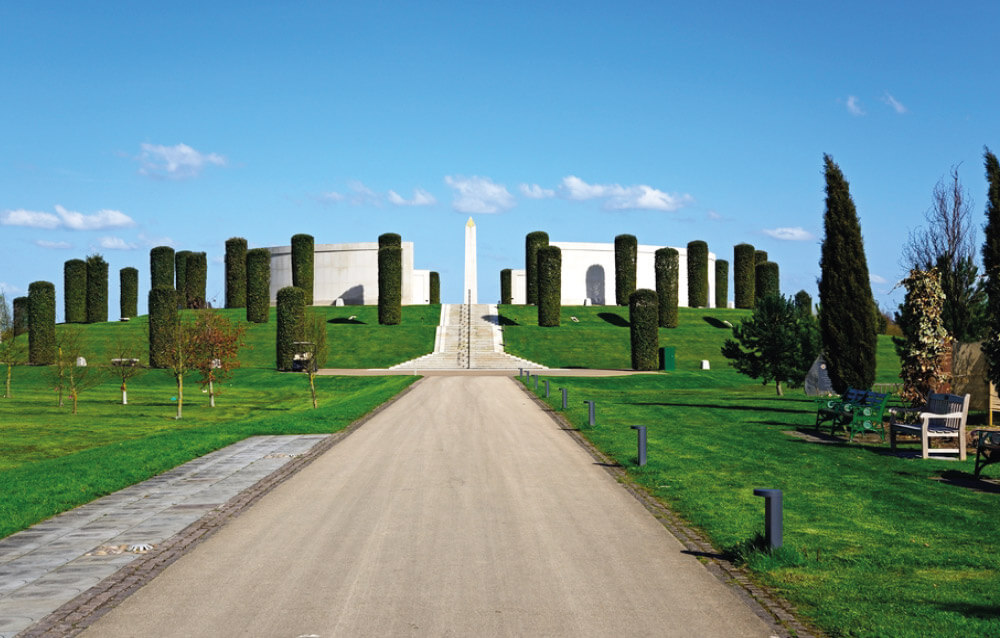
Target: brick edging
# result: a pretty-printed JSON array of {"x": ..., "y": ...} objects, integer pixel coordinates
[
  {"x": 73, "y": 617},
  {"x": 762, "y": 600}
]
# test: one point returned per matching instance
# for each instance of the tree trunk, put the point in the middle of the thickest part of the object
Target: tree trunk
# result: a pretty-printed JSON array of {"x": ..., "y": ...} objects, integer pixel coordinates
[
  {"x": 124, "y": 394},
  {"x": 180, "y": 395},
  {"x": 6, "y": 392},
  {"x": 777, "y": 384},
  {"x": 72, "y": 394},
  {"x": 211, "y": 394},
  {"x": 312, "y": 388}
]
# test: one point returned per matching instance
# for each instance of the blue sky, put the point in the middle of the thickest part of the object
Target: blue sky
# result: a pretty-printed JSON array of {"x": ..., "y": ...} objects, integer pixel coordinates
[{"x": 128, "y": 125}]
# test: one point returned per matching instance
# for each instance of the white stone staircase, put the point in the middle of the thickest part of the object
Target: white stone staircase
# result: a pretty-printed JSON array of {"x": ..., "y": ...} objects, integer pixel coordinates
[{"x": 469, "y": 337}]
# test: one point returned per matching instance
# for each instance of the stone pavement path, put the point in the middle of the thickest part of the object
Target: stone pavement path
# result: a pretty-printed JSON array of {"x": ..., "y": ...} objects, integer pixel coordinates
[
  {"x": 461, "y": 509},
  {"x": 47, "y": 565}
]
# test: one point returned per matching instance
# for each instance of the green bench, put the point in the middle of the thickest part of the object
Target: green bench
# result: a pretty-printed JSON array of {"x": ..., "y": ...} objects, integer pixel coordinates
[
  {"x": 838, "y": 410},
  {"x": 856, "y": 412},
  {"x": 987, "y": 448}
]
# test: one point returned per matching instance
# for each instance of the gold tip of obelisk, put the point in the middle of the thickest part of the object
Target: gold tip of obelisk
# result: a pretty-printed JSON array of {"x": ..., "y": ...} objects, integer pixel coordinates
[{"x": 470, "y": 223}]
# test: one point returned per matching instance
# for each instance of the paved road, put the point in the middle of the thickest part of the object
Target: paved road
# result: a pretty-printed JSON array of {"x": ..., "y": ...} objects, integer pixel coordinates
[{"x": 461, "y": 510}]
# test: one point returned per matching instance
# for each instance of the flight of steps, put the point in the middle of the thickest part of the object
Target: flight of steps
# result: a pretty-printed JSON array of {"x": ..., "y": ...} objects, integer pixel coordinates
[{"x": 468, "y": 337}]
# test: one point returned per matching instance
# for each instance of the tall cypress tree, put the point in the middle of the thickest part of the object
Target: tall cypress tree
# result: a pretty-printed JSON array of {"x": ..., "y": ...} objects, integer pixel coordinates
[
  {"x": 743, "y": 275},
  {"x": 180, "y": 275},
  {"x": 435, "y": 287},
  {"x": 303, "y": 257},
  {"x": 626, "y": 254},
  {"x": 161, "y": 267},
  {"x": 847, "y": 322},
  {"x": 991, "y": 266},
  {"x": 721, "y": 283},
  {"x": 666, "y": 265},
  {"x": 196, "y": 280},
  {"x": 97, "y": 289},
  {"x": 549, "y": 286},
  {"x": 505, "y": 286},
  {"x": 75, "y": 291},
  {"x": 236, "y": 272},
  {"x": 258, "y": 285},
  {"x": 128, "y": 292},
  {"x": 533, "y": 242},
  {"x": 697, "y": 272}
]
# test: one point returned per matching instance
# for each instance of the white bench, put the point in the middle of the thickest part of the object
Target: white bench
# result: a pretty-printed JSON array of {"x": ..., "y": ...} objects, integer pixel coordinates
[{"x": 944, "y": 416}]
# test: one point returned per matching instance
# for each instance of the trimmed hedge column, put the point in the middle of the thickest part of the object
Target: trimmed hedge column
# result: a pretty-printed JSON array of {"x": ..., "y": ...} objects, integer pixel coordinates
[
  {"x": 626, "y": 253},
  {"x": 291, "y": 324},
  {"x": 766, "y": 283},
  {"x": 743, "y": 275},
  {"x": 804, "y": 302},
  {"x": 236, "y": 272},
  {"x": 721, "y": 283},
  {"x": 506, "y": 295},
  {"x": 390, "y": 285},
  {"x": 759, "y": 257},
  {"x": 162, "y": 324},
  {"x": 97, "y": 289},
  {"x": 258, "y": 285},
  {"x": 435, "y": 287},
  {"x": 128, "y": 286},
  {"x": 75, "y": 291},
  {"x": 41, "y": 323},
  {"x": 161, "y": 267},
  {"x": 533, "y": 242},
  {"x": 697, "y": 267},
  {"x": 196, "y": 280},
  {"x": 642, "y": 311},
  {"x": 549, "y": 285},
  {"x": 303, "y": 256},
  {"x": 180, "y": 276},
  {"x": 21, "y": 311},
  {"x": 667, "y": 268}
]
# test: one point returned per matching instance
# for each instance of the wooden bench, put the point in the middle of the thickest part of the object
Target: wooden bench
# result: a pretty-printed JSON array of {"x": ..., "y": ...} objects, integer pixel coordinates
[
  {"x": 944, "y": 416},
  {"x": 987, "y": 448},
  {"x": 838, "y": 410}
]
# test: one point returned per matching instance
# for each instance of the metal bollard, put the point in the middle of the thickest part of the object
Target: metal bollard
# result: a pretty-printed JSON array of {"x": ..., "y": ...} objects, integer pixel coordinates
[
  {"x": 641, "y": 431},
  {"x": 520, "y": 373},
  {"x": 536, "y": 383},
  {"x": 546, "y": 388},
  {"x": 772, "y": 517},
  {"x": 527, "y": 378},
  {"x": 564, "y": 393},
  {"x": 590, "y": 413}
]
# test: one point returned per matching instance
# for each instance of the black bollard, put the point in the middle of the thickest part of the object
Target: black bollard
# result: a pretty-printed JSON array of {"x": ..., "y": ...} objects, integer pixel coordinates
[
  {"x": 546, "y": 388},
  {"x": 520, "y": 373},
  {"x": 641, "y": 431},
  {"x": 592, "y": 420},
  {"x": 564, "y": 393},
  {"x": 536, "y": 383},
  {"x": 773, "y": 531}
]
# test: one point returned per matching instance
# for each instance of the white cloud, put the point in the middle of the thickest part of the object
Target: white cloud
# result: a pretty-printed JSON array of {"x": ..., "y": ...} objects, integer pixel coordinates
[
  {"x": 362, "y": 194},
  {"x": 854, "y": 105},
  {"x": 152, "y": 242},
  {"x": 796, "y": 233},
  {"x": 876, "y": 279},
  {"x": 98, "y": 221},
  {"x": 177, "y": 162},
  {"x": 331, "y": 197},
  {"x": 714, "y": 216},
  {"x": 534, "y": 191},
  {"x": 618, "y": 197},
  {"x": 894, "y": 103},
  {"x": 53, "y": 245},
  {"x": 420, "y": 198},
  {"x": 29, "y": 218},
  {"x": 8, "y": 289},
  {"x": 115, "y": 243},
  {"x": 479, "y": 195}
]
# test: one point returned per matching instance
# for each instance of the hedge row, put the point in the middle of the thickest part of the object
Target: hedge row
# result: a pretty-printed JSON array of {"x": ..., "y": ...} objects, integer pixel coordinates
[
  {"x": 697, "y": 267},
  {"x": 743, "y": 275},
  {"x": 291, "y": 325},
  {"x": 435, "y": 287},
  {"x": 162, "y": 325},
  {"x": 21, "y": 311},
  {"x": 41, "y": 323},
  {"x": 75, "y": 291},
  {"x": 721, "y": 283},
  {"x": 97, "y": 289},
  {"x": 303, "y": 256},
  {"x": 643, "y": 332},
  {"x": 549, "y": 285},
  {"x": 236, "y": 272},
  {"x": 626, "y": 253},
  {"x": 258, "y": 285},
  {"x": 390, "y": 285},
  {"x": 533, "y": 242},
  {"x": 161, "y": 267},
  {"x": 128, "y": 287},
  {"x": 766, "y": 281},
  {"x": 506, "y": 294},
  {"x": 666, "y": 264},
  {"x": 196, "y": 280}
]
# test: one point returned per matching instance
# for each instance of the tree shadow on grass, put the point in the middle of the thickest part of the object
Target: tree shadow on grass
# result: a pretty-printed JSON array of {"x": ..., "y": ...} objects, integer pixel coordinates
[
  {"x": 344, "y": 320},
  {"x": 613, "y": 319},
  {"x": 501, "y": 320},
  {"x": 987, "y": 612},
  {"x": 968, "y": 481},
  {"x": 716, "y": 406},
  {"x": 717, "y": 323}
]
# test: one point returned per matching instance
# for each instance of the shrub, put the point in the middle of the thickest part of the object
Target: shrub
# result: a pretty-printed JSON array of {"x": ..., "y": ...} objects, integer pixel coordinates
[
  {"x": 291, "y": 325},
  {"x": 533, "y": 242},
  {"x": 721, "y": 283},
  {"x": 180, "y": 277},
  {"x": 390, "y": 285},
  {"x": 258, "y": 285},
  {"x": 804, "y": 303},
  {"x": 196, "y": 280},
  {"x": 549, "y": 285},
  {"x": 991, "y": 267},
  {"x": 506, "y": 290},
  {"x": 924, "y": 346},
  {"x": 390, "y": 239},
  {"x": 75, "y": 291},
  {"x": 303, "y": 256},
  {"x": 41, "y": 323},
  {"x": 435, "y": 287},
  {"x": 645, "y": 338},
  {"x": 97, "y": 289},
  {"x": 128, "y": 287},
  {"x": 759, "y": 257},
  {"x": 236, "y": 272},
  {"x": 21, "y": 310},
  {"x": 626, "y": 252},
  {"x": 743, "y": 275},
  {"x": 162, "y": 325},
  {"x": 161, "y": 267},
  {"x": 666, "y": 264},
  {"x": 766, "y": 282},
  {"x": 697, "y": 266}
]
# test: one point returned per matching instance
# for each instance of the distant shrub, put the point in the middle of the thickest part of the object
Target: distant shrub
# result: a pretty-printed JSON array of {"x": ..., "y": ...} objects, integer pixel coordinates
[
  {"x": 236, "y": 272},
  {"x": 196, "y": 280},
  {"x": 75, "y": 291},
  {"x": 180, "y": 277},
  {"x": 41, "y": 323},
  {"x": 533, "y": 242},
  {"x": 506, "y": 294},
  {"x": 643, "y": 332},
  {"x": 435, "y": 285},
  {"x": 743, "y": 275},
  {"x": 549, "y": 285},
  {"x": 128, "y": 288},
  {"x": 20, "y": 306},
  {"x": 291, "y": 325},
  {"x": 666, "y": 263},
  {"x": 258, "y": 285},
  {"x": 97, "y": 289},
  {"x": 697, "y": 272},
  {"x": 161, "y": 267},
  {"x": 626, "y": 253},
  {"x": 766, "y": 282},
  {"x": 303, "y": 256},
  {"x": 721, "y": 283},
  {"x": 162, "y": 325},
  {"x": 390, "y": 285},
  {"x": 804, "y": 303}
]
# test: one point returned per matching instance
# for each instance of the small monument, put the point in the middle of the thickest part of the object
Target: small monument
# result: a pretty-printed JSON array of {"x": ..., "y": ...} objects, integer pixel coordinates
[
  {"x": 470, "y": 293},
  {"x": 817, "y": 381}
]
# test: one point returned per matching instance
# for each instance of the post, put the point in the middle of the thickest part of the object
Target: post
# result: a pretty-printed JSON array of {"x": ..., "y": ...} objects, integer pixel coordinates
[
  {"x": 520, "y": 373},
  {"x": 536, "y": 383},
  {"x": 590, "y": 413},
  {"x": 641, "y": 431},
  {"x": 546, "y": 388},
  {"x": 773, "y": 532},
  {"x": 564, "y": 392}
]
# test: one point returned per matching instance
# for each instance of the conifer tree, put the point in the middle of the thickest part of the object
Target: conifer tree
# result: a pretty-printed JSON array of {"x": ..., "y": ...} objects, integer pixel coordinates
[
  {"x": 626, "y": 254},
  {"x": 991, "y": 266},
  {"x": 533, "y": 242}
]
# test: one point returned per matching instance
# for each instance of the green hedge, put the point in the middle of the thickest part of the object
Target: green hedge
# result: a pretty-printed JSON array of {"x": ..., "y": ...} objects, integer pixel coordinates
[
  {"x": 549, "y": 285},
  {"x": 196, "y": 280},
  {"x": 666, "y": 264},
  {"x": 162, "y": 325},
  {"x": 258, "y": 285},
  {"x": 75, "y": 291},
  {"x": 435, "y": 287},
  {"x": 759, "y": 257},
  {"x": 804, "y": 302},
  {"x": 97, "y": 289},
  {"x": 21, "y": 311},
  {"x": 128, "y": 286},
  {"x": 390, "y": 239},
  {"x": 390, "y": 285},
  {"x": 533, "y": 242},
  {"x": 41, "y": 323},
  {"x": 236, "y": 272},
  {"x": 161, "y": 267},
  {"x": 766, "y": 281},
  {"x": 721, "y": 283},
  {"x": 626, "y": 253},
  {"x": 506, "y": 290},
  {"x": 303, "y": 256},
  {"x": 697, "y": 271},
  {"x": 291, "y": 325},
  {"x": 743, "y": 275},
  {"x": 645, "y": 338},
  {"x": 180, "y": 276}
]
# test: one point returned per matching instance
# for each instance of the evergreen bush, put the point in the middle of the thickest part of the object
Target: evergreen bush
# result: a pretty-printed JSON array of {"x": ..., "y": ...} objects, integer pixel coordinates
[
  {"x": 128, "y": 287},
  {"x": 41, "y": 323},
  {"x": 533, "y": 242},
  {"x": 743, "y": 275},
  {"x": 75, "y": 291},
  {"x": 721, "y": 283},
  {"x": 549, "y": 285},
  {"x": 766, "y": 282},
  {"x": 303, "y": 256},
  {"x": 161, "y": 267},
  {"x": 180, "y": 277},
  {"x": 390, "y": 285},
  {"x": 21, "y": 310},
  {"x": 666, "y": 264},
  {"x": 697, "y": 267},
  {"x": 506, "y": 294},
  {"x": 435, "y": 288},
  {"x": 162, "y": 325},
  {"x": 258, "y": 285},
  {"x": 291, "y": 325},
  {"x": 991, "y": 267},
  {"x": 196, "y": 280},
  {"x": 236, "y": 272},
  {"x": 97, "y": 289},
  {"x": 643, "y": 309},
  {"x": 804, "y": 302},
  {"x": 626, "y": 253},
  {"x": 759, "y": 257}
]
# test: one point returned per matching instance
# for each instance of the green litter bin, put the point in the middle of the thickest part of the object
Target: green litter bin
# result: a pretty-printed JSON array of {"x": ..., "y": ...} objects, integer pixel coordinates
[{"x": 667, "y": 358}]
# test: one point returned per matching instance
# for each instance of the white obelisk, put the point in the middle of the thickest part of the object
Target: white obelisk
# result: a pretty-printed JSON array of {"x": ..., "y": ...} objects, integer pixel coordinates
[{"x": 470, "y": 292}]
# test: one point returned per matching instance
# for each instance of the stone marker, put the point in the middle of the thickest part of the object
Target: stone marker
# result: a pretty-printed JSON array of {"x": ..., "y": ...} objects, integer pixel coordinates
[{"x": 817, "y": 381}]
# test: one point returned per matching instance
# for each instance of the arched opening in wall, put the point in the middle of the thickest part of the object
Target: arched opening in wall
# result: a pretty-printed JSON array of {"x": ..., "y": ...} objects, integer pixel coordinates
[{"x": 595, "y": 284}]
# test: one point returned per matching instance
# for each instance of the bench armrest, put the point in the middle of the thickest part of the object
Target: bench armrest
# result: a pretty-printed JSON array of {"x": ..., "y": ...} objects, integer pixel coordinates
[{"x": 932, "y": 415}]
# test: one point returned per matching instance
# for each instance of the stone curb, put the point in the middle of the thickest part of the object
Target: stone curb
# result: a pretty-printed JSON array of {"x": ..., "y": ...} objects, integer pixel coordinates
[
  {"x": 762, "y": 600},
  {"x": 76, "y": 615}
]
